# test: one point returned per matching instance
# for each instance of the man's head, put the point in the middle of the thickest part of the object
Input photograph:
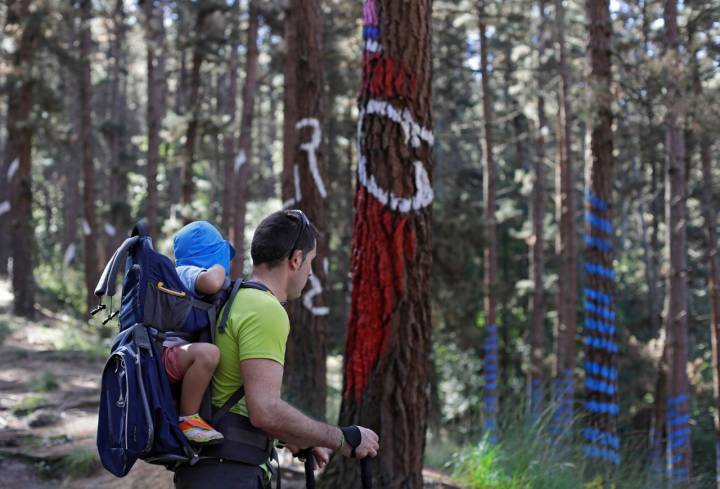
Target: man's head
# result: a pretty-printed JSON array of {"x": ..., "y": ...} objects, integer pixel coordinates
[
  {"x": 286, "y": 239},
  {"x": 201, "y": 244}
]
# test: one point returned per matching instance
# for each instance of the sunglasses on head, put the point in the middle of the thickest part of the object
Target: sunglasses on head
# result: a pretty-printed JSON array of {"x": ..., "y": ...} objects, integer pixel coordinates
[{"x": 304, "y": 224}]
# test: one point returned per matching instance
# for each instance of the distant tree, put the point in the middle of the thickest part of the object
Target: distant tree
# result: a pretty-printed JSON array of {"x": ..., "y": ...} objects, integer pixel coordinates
[
  {"x": 23, "y": 25},
  {"x": 229, "y": 108},
  {"x": 388, "y": 336},
  {"x": 155, "y": 41},
  {"x": 601, "y": 399},
  {"x": 242, "y": 159},
  {"x": 304, "y": 188},
  {"x": 490, "y": 253},
  {"x": 537, "y": 241},
  {"x": 676, "y": 327},
  {"x": 566, "y": 243}
]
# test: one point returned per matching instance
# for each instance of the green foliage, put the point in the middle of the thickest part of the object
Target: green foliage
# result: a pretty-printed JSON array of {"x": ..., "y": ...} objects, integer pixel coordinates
[
  {"x": 81, "y": 462},
  {"x": 5, "y": 330},
  {"x": 44, "y": 383},
  {"x": 29, "y": 404},
  {"x": 63, "y": 287}
]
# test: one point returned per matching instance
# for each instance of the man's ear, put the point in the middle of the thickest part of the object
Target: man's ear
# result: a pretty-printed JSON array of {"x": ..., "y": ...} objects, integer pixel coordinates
[{"x": 296, "y": 260}]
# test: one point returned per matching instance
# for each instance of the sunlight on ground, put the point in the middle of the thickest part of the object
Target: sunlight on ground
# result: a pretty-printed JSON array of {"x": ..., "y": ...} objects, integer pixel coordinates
[{"x": 6, "y": 295}]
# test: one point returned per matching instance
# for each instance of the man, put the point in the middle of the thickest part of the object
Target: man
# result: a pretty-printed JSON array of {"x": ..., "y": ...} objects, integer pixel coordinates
[{"x": 252, "y": 352}]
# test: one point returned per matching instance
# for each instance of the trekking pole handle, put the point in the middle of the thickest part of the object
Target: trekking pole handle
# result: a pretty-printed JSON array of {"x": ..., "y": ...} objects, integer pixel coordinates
[
  {"x": 366, "y": 473},
  {"x": 309, "y": 467}
]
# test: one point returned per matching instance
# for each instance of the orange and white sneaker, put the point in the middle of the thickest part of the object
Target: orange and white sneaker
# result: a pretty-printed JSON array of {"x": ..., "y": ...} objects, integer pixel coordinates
[{"x": 197, "y": 430}]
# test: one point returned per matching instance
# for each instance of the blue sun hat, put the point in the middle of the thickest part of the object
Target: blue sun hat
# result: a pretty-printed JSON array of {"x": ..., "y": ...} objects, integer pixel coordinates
[{"x": 200, "y": 244}]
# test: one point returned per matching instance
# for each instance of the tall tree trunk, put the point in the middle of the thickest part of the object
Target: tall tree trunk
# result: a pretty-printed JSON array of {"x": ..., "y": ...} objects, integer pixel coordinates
[
  {"x": 303, "y": 169},
  {"x": 566, "y": 246},
  {"x": 388, "y": 336},
  {"x": 679, "y": 456},
  {"x": 5, "y": 206},
  {"x": 24, "y": 27},
  {"x": 230, "y": 106},
  {"x": 601, "y": 404},
  {"x": 118, "y": 222},
  {"x": 86, "y": 135},
  {"x": 187, "y": 175},
  {"x": 537, "y": 241},
  {"x": 155, "y": 34},
  {"x": 242, "y": 159},
  {"x": 490, "y": 252}
]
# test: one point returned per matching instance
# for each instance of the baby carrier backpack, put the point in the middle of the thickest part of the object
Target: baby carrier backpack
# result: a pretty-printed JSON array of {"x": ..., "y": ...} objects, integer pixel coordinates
[{"x": 137, "y": 415}]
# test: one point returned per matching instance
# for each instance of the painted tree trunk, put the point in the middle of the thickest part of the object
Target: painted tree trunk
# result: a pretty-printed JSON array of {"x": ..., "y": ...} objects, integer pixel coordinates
[
  {"x": 23, "y": 27},
  {"x": 601, "y": 442},
  {"x": 303, "y": 187},
  {"x": 387, "y": 352},
  {"x": 241, "y": 166},
  {"x": 86, "y": 140},
  {"x": 155, "y": 35},
  {"x": 230, "y": 109},
  {"x": 490, "y": 367},
  {"x": 566, "y": 247},
  {"x": 678, "y": 417},
  {"x": 537, "y": 241}
]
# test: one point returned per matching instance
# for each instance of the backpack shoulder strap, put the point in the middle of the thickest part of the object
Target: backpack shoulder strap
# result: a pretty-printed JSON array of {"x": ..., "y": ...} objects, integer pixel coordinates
[
  {"x": 237, "y": 285},
  {"x": 237, "y": 395}
]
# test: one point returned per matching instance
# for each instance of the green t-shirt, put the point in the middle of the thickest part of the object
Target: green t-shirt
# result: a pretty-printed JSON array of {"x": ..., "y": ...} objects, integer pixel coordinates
[{"x": 257, "y": 327}]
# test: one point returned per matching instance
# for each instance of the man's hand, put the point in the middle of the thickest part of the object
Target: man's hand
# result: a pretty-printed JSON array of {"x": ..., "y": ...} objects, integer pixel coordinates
[
  {"x": 368, "y": 447},
  {"x": 320, "y": 454}
]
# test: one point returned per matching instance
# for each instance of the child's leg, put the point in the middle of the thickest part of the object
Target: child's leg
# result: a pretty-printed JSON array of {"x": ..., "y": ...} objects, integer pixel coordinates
[{"x": 198, "y": 361}]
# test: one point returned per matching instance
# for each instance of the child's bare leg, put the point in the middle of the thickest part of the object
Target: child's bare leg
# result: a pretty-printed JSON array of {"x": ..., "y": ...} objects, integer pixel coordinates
[{"x": 198, "y": 361}]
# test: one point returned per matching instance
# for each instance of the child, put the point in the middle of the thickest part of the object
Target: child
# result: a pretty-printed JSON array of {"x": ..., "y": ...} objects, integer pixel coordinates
[{"x": 202, "y": 258}]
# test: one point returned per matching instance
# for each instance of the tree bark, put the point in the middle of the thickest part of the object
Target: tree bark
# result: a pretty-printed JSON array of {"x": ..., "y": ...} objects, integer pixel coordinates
[
  {"x": 601, "y": 404},
  {"x": 230, "y": 109},
  {"x": 490, "y": 284},
  {"x": 679, "y": 457},
  {"x": 155, "y": 35},
  {"x": 537, "y": 241},
  {"x": 187, "y": 175},
  {"x": 388, "y": 336},
  {"x": 303, "y": 169},
  {"x": 566, "y": 245},
  {"x": 86, "y": 140},
  {"x": 24, "y": 27},
  {"x": 242, "y": 159}
]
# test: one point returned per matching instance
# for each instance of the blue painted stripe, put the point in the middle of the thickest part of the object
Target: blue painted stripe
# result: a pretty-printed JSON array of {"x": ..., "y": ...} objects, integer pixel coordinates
[
  {"x": 490, "y": 376},
  {"x": 674, "y": 459},
  {"x": 598, "y": 222},
  {"x": 601, "y": 344},
  {"x": 491, "y": 357},
  {"x": 680, "y": 442},
  {"x": 601, "y": 370},
  {"x": 603, "y": 312},
  {"x": 490, "y": 367},
  {"x": 602, "y": 245},
  {"x": 677, "y": 400},
  {"x": 682, "y": 432},
  {"x": 371, "y": 32},
  {"x": 491, "y": 328},
  {"x": 600, "y": 327},
  {"x": 679, "y": 421},
  {"x": 596, "y": 385},
  {"x": 598, "y": 296},
  {"x": 595, "y": 269},
  {"x": 596, "y": 202},
  {"x": 603, "y": 453},
  {"x": 602, "y": 407},
  {"x": 599, "y": 437}
]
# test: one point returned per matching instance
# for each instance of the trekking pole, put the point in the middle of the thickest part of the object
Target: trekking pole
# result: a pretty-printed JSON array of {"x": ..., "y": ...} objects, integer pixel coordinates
[
  {"x": 366, "y": 473},
  {"x": 309, "y": 470}
]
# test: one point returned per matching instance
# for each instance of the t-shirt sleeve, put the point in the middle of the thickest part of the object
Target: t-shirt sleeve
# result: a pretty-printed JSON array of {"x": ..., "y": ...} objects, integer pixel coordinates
[
  {"x": 264, "y": 334},
  {"x": 188, "y": 275}
]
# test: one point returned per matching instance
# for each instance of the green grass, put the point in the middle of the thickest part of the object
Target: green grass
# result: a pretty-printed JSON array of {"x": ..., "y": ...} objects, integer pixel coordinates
[
  {"x": 81, "y": 462},
  {"x": 46, "y": 382},
  {"x": 28, "y": 404}
]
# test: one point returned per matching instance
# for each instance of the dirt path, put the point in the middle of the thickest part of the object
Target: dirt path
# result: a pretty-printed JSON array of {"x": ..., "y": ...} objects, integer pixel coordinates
[{"x": 49, "y": 392}]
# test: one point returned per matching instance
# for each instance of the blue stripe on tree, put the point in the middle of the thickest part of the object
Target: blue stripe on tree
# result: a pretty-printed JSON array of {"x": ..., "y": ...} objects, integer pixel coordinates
[
  {"x": 598, "y": 296},
  {"x": 595, "y": 269},
  {"x": 599, "y": 326},
  {"x": 602, "y": 245},
  {"x": 598, "y": 223},
  {"x": 604, "y": 312},
  {"x": 599, "y": 386},
  {"x": 596, "y": 202},
  {"x": 601, "y": 344},
  {"x": 601, "y": 370},
  {"x": 602, "y": 407}
]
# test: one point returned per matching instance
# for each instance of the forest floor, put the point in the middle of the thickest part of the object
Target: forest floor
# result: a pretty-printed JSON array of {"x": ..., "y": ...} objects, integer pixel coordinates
[{"x": 49, "y": 394}]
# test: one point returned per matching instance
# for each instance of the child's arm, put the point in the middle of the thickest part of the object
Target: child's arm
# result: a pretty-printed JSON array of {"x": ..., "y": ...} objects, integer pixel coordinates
[{"x": 211, "y": 280}]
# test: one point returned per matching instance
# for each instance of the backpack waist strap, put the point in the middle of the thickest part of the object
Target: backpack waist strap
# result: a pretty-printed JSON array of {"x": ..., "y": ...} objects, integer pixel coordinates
[{"x": 243, "y": 442}]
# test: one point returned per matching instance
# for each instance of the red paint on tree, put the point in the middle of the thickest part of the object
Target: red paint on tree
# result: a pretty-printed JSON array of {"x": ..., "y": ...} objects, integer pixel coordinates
[
  {"x": 384, "y": 77},
  {"x": 379, "y": 278}
]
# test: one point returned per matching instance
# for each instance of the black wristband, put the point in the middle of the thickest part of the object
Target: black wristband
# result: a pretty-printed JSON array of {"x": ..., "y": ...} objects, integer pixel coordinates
[{"x": 352, "y": 436}]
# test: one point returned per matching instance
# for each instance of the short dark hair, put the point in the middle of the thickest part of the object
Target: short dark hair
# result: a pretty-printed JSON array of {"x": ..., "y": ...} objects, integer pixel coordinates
[{"x": 281, "y": 233}]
